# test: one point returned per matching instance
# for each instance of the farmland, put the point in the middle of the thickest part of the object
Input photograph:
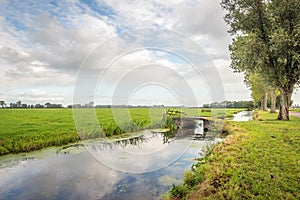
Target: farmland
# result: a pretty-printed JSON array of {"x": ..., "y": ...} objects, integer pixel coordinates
[{"x": 23, "y": 130}]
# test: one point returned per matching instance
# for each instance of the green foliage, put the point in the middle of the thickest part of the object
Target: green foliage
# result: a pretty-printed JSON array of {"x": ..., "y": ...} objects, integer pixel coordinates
[
  {"x": 257, "y": 87},
  {"x": 169, "y": 123},
  {"x": 192, "y": 178},
  {"x": 266, "y": 42},
  {"x": 170, "y": 115},
  {"x": 179, "y": 191},
  {"x": 206, "y": 110},
  {"x": 175, "y": 113}
]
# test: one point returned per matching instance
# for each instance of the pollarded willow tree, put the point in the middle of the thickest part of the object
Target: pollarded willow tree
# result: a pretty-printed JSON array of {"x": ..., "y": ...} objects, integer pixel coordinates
[{"x": 266, "y": 41}]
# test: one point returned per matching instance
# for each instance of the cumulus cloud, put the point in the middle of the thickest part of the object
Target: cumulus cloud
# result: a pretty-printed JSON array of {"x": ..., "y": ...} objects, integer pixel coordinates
[
  {"x": 42, "y": 47},
  {"x": 43, "y": 44},
  {"x": 34, "y": 96},
  {"x": 141, "y": 14},
  {"x": 56, "y": 46},
  {"x": 199, "y": 20}
]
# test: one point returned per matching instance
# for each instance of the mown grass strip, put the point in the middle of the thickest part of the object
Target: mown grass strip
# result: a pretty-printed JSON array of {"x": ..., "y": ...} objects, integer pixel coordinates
[{"x": 260, "y": 159}]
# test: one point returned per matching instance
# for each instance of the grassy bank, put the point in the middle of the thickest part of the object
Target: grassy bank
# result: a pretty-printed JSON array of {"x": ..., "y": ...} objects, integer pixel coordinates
[{"x": 258, "y": 160}]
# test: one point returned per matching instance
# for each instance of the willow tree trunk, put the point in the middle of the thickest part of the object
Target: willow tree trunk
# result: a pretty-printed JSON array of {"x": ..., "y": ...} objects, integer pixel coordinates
[
  {"x": 285, "y": 101},
  {"x": 266, "y": 101},
  {"x": 273, "y": 100}
]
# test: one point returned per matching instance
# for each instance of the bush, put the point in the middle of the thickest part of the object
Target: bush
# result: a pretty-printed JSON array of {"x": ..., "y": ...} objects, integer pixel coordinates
[
  {"x": 192, "y": 178},
  {"x": 179, "y": 191},
  {"x": 3, "y": 150},
  {"x": 206, "y": 110}
]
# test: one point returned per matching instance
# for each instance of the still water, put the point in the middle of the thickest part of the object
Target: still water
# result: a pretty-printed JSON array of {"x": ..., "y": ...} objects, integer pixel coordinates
[
  {"x": 243, "y": 116},
  {"x": 140, "y": 167}
]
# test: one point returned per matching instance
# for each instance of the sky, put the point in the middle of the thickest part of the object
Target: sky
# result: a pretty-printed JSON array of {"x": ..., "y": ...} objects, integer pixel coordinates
[{"x": 116, "y": 52}]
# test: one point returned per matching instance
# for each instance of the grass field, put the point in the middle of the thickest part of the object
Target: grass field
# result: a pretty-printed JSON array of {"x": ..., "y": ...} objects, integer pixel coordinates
[
  {"x": 23, "y": 130},
  {"x": 258, "y": 160},
  {"x": 295, "y": 109}
]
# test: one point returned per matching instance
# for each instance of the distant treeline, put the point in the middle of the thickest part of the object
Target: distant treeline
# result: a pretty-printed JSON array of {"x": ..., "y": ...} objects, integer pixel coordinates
[
  {"x": 19, "y": 104},
  {"x": 223, "y": 104},
  {"x": 231, "y": 104},
  {"x": 91, "y": 105}
]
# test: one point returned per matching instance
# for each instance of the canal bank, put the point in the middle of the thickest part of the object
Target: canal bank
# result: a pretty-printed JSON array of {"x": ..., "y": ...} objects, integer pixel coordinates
[{"x": 259, "y": 159}]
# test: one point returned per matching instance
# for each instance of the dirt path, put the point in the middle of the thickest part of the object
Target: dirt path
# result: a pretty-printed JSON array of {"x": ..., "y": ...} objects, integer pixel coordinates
[{"x": 295, "y": 114}]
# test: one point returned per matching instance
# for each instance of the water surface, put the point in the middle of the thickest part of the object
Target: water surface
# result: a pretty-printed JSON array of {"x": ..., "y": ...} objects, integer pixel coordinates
[
  {"x": 141, "y": 167},
  {"x": 242, "y": 116}
]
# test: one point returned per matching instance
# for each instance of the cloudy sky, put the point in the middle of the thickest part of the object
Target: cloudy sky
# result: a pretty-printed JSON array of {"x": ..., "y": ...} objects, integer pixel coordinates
[{"x": 51, "y": 50}]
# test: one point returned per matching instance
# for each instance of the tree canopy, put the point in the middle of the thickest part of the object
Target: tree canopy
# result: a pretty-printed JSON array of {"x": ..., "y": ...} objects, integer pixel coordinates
[{"x": 266, "y": 41}]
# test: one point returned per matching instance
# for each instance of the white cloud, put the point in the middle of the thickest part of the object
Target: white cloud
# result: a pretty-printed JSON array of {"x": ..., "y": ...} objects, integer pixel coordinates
[
  {"x": 34, "y": 96},
  {"x": 140, "y": 14},
  {"x": 232, "y": 82},
  {"x": 44, "y": 47},
  {"x": 47, "y": 53},
  {"x": 66, "y": 48}
]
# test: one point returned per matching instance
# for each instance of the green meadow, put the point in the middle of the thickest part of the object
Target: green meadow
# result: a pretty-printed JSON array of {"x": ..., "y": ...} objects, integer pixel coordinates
[
  {"x": 24, "y": 130},
  {"x": 259, "y": 159}
]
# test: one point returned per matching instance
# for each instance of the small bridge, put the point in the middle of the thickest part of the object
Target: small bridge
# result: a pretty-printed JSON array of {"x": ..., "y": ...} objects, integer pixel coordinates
[{"x": 189, "y": 122}]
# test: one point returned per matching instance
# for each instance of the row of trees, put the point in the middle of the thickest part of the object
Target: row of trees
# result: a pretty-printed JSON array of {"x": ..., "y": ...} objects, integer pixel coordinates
[
  {"x": 266, "y": 35},
  {"x": 231, "y": 104},
  {"x": 262, "y": 93},
  {"x": 19, "y": 104},
  {"x": 87, "y": 105}
]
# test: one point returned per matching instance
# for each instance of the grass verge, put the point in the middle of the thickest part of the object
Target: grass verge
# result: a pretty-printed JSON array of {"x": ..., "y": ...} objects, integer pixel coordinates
[
  {"x": 260, "y": 159},
  {"x": 295, "y": 109}
]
